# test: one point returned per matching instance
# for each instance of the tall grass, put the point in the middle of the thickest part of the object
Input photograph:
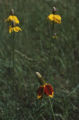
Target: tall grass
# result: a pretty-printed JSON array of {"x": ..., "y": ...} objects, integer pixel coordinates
[{"x": 35, "y": 50}]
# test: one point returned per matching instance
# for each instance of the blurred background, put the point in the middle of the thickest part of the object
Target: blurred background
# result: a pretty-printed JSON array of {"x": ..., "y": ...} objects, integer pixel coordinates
[{"x": 35, "y": 50}]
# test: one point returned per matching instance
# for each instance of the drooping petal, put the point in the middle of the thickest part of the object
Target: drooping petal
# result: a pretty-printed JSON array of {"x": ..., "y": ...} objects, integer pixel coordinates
[
  {"x": 48, "y": 90},
  {"x": 17, "y": 29},
  {"x": 10, "y": 29},
  {"x": 16, "y": 19},
  {"x": 40, "y": 92},
  {"x": 51, "y": 17},
  {"x": 57, "y": 19},
  {"x": 12, "y": 18}
]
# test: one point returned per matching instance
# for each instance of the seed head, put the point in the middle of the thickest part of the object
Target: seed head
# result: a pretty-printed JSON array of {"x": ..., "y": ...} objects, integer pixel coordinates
[
  {"x": 12, "y": 12},
  {"x": 39, "y": 75},
  {"x": 54, "y": 10}
]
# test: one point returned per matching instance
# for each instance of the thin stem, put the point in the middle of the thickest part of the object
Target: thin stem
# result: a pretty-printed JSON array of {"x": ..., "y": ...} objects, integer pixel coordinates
[
  {"x": 10, "y": 53},
  {"x": 13, "y": 49},
  {"x": 53, "y": 27},
  {"x": 52, "y": 109},
  {"x": 42, "y": 81},
  {"x": 51, "y": 33}
]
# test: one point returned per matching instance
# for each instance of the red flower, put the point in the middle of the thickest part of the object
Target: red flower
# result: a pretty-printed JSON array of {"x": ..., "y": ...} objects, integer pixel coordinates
[{"x": 46, "y": 89}]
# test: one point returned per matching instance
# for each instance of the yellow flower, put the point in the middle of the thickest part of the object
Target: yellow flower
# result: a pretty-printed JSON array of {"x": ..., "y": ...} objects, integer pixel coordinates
[
  {"x": 55, "y": 18},
  {"x": 12, "y": 18},
  {"x": 15, "y": 29}
]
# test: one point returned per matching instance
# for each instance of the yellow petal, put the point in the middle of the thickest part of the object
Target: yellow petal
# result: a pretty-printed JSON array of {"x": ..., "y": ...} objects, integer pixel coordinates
[
  {"x": 12, "y": 18},
  {"x": 57, "y": 19},
  {"x": 38, "y": 97},
  {"x": 51, "y": 17},
  {"x": 10, "y": 29},
  {"x": 16, "y": 19},
  {"x": 17, "y": 29},
  {"x": 52, "y": 95}
]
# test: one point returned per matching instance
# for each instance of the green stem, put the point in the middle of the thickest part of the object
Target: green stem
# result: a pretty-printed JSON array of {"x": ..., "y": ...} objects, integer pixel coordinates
[
  {"x": 13, "y": 50},
  {"x": 51, "y": 33},
  {"x": 10, "y": 52},
  {"x": 42, "y": 81},
  {"x": 53, "y": 27},
  {"x": 51, "y": 105}
]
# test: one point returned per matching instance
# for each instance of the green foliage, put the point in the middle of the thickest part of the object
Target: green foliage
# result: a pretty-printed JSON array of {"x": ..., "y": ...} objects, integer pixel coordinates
[{"x": 35, "y": 50}]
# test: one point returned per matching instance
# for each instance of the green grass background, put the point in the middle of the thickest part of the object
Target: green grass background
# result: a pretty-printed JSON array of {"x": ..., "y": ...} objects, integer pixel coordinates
[{"x": 35, "y": 50}]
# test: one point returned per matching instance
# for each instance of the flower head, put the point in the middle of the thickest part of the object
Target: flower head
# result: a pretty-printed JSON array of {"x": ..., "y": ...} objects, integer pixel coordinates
[
  {"x": 14, "y": 29},
  {"x": 13, "y": 21},
  {"x": 12, "y": 18},
  {"x": 46, "y": 89},
  {"x": 55, "y": 18}
]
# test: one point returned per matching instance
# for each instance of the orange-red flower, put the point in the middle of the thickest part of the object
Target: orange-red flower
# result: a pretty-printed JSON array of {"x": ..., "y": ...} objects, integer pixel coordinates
[{"x": 46, "y": 89}]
